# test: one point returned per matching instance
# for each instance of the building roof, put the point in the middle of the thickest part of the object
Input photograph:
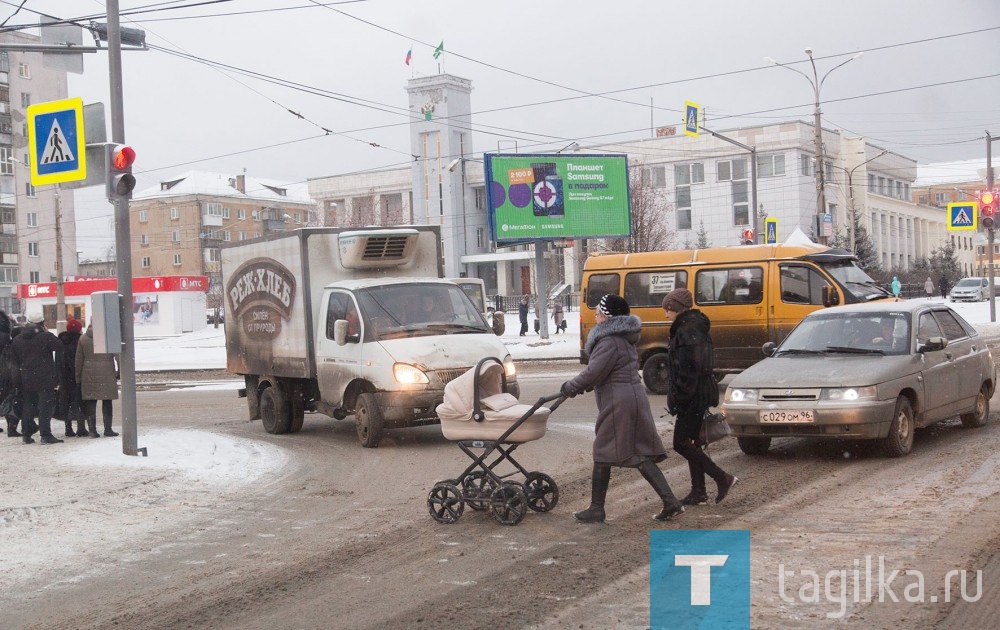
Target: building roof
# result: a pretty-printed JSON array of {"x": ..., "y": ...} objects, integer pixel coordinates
[
  {"x": 944, "y": 173},
  {"x": 221, "y": 185}
]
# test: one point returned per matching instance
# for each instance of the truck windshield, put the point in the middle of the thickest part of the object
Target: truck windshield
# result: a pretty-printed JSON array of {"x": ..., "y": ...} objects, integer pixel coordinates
[
  {"x": 416, "y": 309},
  {"x": 858, "y": 284}
]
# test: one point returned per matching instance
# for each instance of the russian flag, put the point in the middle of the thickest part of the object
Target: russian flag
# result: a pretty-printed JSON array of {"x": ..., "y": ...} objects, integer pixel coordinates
[{"x": 409, "y": 55}]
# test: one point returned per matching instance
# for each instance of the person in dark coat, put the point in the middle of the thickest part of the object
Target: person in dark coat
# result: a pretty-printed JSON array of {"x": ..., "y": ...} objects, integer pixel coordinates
[
  {"x": 9, "y": 378},
  {"x": 943, "y": 283},
  {"x": 33, "y": 351},
  {"x": 625, "y": 434},
  {"x": 70, "y": 405},
  {"x": 522, "y": 313},
  {"x": 691, "y": 390},
  {"x": 97, "y": 375}
]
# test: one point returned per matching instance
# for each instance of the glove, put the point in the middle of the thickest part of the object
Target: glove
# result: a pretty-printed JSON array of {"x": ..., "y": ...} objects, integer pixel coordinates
[{"x": 565, "y": 390}]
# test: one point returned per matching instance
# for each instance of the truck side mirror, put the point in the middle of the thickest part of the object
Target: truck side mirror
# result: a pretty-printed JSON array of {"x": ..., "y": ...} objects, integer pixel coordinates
[
  {"x": 340, "y": 332},
  {"x": 830, "y": 296}
]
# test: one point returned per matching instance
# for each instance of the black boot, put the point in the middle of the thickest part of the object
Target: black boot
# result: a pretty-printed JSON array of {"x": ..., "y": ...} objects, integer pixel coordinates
[
  {"x": 599, "y": 481},
  {"x": 69, "y": 429},
  {"x": 725, "y": 484},
  {"x": 92, "y": 426},
  {"x": 652, "y": 474},
  {"x": 698, "y": 494},
  {"x": 45, "y": 432},
  {"x": 12, "y": 428},
  {"x": 108, "y": 431},
  {"x": 81, "y": 428},
  {"x": 50, "y": 439}
]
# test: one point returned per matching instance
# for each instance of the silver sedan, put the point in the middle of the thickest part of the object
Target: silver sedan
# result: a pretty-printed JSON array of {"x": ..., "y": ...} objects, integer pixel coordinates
[{"x": 866, "y": 371}]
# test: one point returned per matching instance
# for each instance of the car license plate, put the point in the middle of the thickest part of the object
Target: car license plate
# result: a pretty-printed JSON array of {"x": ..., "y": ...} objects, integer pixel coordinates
[{"x": 785, "y": 416}]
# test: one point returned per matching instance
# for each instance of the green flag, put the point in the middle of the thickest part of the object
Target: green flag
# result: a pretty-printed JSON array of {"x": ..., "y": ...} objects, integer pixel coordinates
[{"x": 439, "y": 50}]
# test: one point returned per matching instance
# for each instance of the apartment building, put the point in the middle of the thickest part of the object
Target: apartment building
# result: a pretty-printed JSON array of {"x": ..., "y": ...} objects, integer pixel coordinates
[{"x": 178, "y": 226}]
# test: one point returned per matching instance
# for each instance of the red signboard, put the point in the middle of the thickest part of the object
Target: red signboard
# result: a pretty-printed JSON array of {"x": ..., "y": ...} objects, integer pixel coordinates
[{"x": 154, "y": 284}]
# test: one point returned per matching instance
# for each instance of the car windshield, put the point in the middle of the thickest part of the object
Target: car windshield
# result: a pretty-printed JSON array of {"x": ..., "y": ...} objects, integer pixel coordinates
[
  {"x": 876, "y": 333},
  {"x": 416, "y": 310},
  {"x": 969, "y": 282},
  {"x": 855, "y": 281}
]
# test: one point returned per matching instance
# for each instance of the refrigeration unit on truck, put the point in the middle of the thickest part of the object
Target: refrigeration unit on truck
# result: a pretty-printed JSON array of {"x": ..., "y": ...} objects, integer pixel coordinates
[{"x": 349, "y": 322}]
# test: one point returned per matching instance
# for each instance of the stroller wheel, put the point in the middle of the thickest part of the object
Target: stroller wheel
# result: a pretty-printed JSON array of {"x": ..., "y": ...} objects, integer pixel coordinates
[
  {"x": 543, "y": 493},
  {"x": 478, "y": 489},
  {"x": 509, "y": 503},
  {"x": 445, "y": 503}
]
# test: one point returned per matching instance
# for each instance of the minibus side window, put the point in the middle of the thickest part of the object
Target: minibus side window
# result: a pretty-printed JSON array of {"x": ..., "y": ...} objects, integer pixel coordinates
[
  {"x": 648, "y": 288},
  {"x": 743, "y": 285},
  {"x": 600, "y": 285},
  {"x": 801, "y": 285}
]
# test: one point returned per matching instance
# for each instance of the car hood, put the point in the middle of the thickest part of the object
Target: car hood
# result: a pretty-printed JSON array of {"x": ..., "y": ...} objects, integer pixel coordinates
[
  {"x": 826, "y": 371},
  {"x": 445, "y": 352}
]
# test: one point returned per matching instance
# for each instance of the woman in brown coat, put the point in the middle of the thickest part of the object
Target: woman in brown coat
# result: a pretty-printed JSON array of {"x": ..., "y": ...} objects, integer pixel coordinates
[
  {"x": 625, "y": 432},
  {"x": 97, "y": 375}
]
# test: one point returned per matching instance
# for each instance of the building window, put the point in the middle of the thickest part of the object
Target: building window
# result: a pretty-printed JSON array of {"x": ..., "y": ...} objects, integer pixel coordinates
[
  {"x": 241, "y": 214},
  {"x": 256, "y": 234},
  {"x": 143, "y": 217},
  {"x": 940, "y": 197},
  {"x": 225, "y": 213},
  {"x": 25, "y": 101},
  {"x": 480, "y": 238},
  {"x": 243, "y": 236},
  {"x": 682, "y": 195},
  {"x": 731, "y": 170},
  {"x": 256, "y": 215},
  {"x": 23, "y": 71},
  {"x": 297, "y": 217},
  {"x": 771, "y": 165},
  {"x": 177, "y": 260},
  {"x": 175, "y": 236},
  {"x": 174, "y": 214},
  {"x": 144, "y": 239},
  {"x": 29, "y": 190},
  {"x": 34, "y": 277},
  {"x": 32, "y": 219},
  {"x": 145, "y": 262},
  {"x": 685, "y": 174},
  {"x": 214, "y": 255},
  {"x": 33, "y": 249},
  {"x": 741, "y": 205},
  {"x": 214, "y": 209},
  {"x": 806, "y": 165},
  {"x": 6, "y": 166},
  {"x": 226, "y": 236},
  {"x": 480, "y": 193}
]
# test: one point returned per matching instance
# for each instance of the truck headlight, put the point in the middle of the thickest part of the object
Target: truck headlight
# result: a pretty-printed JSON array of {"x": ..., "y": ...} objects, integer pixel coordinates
[
  {"x": 850, "y": 394},
  {"x": 508, "y": 367},
  {"x": 738, "y": 395},
  {"x": 406, "y": 374}
]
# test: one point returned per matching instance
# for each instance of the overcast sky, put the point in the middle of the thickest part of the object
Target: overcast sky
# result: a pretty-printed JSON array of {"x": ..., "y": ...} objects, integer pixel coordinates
[{"x": 926, "y": 86}]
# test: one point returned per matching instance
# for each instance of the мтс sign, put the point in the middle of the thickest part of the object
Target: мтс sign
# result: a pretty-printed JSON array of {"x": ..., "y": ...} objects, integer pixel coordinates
[{"x": 56, "y": 144}]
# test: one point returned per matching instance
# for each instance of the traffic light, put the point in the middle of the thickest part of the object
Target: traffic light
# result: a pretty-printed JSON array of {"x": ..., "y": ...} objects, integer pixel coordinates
[
  {"x": 748, "y": 236},
  {"x": 988, "y": 208},
  {"x": 119, "y": 181}
]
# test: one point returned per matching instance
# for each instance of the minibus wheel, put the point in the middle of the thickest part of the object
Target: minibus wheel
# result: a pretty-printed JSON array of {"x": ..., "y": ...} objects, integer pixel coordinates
[{"x": 656, "y": 373}]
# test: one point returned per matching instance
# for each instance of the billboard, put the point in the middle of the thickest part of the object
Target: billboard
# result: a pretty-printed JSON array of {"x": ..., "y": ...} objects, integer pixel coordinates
[{"x": 542, "y": 197}]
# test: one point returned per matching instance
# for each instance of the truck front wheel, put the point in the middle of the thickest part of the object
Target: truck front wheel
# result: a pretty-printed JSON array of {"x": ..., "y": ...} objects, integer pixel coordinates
[
  {"x": 656, "y": 373},
  {"x": 370, "y": 424},
  {"x": 274, "y": 411}
]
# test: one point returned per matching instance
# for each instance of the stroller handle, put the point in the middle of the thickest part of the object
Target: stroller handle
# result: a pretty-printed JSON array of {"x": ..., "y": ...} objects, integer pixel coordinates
[{"x": 559, "y": 398}]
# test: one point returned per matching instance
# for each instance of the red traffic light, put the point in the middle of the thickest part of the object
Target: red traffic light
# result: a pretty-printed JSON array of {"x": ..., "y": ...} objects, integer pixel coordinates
[
  {"x": 987, "y": 203},
  {"x": 748, "y": 236},
  {"x": 122, "y": 157}
]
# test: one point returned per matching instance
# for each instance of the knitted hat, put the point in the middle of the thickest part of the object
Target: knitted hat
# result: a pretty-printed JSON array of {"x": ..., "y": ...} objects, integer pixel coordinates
[
  {"x": 612, "y": 305},
  {"x": 678, "y": 300},
  {"x": 74, "y": 325},
  {"x": 36, "y": 317}
]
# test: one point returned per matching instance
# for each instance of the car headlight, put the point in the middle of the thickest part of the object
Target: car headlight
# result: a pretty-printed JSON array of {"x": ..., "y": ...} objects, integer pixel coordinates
[
  {"x": 406, "y": 374},
  {"x": 508, "y": 367},
  {"x": 850, "y": 394},
  {"x": 739, "y": 394}
]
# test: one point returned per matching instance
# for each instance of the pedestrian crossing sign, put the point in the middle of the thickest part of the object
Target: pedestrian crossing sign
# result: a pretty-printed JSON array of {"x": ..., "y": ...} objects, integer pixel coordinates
[
  {"x": 963, "y": 215},
  {"x": 56, "y": 144},
  {"x": 771, "y": 231}
]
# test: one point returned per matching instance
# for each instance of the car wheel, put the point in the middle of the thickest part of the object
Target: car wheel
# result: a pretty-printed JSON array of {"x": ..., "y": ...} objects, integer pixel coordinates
[
  {"x": 274, "y": 411},
  {"x": 981, "y": 412},
  {"x": 754, "y": 445},
  {"x": 899, "y": 442},
  {"x": 369, "y": 422},
  {"x": 656, "y": 373}
]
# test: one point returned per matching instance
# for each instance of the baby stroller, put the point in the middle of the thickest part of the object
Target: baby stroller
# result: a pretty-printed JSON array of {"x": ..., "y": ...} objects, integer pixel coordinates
[{"x": 489, "y": 424}]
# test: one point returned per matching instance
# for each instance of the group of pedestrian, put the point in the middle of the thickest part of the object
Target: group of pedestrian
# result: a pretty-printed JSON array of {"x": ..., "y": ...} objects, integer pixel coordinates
[
  {"x": 45, "y": 376},
  {"x": 625, "y": 433},
  {"x": 524, "y": 307}
]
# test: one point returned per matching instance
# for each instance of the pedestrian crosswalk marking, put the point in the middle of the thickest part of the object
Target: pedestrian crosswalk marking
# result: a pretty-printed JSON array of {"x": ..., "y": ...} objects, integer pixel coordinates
[{"x": 56, "y": 147}]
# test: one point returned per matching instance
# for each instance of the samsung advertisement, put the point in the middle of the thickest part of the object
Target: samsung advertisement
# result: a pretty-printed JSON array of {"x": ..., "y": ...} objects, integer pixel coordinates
[{"x": 556, "y": 196}]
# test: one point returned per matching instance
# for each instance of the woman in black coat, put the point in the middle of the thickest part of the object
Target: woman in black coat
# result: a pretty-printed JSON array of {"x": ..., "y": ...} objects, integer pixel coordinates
[
  {"x": 9, "y": 378},
  {"x": 70, "y": 405},
  {"x": 522, "y": 314},
  {"x": 691, "y": 391},
  {"x": 625, "y": 432}
]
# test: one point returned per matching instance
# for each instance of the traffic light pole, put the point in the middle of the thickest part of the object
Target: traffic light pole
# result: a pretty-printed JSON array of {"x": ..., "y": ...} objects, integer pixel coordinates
[
  {"x": 123, "y": 243},
  {"x": 754, "y": 215}
]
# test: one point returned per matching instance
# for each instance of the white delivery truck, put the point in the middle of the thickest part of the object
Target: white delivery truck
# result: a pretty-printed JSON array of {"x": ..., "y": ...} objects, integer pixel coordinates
[{"x": 349, "y": 322}]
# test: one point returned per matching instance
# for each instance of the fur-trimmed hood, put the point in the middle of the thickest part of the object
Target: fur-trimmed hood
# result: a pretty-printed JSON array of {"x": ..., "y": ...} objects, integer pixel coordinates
[{"x": 627, "y": 326}]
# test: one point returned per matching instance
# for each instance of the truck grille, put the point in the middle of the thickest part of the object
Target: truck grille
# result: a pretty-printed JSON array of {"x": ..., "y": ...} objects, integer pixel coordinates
[
  {"x": 448, "y": 376},
  {"x": 778, "y": 395}
]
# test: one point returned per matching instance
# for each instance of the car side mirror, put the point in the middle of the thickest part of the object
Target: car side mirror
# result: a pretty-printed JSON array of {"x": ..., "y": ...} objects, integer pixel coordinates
[
  {"x": 933, "y": 344},
  {"x": 340, "y": 332},
  {"x": 830, "y": 296},
  {"x": 769, "y": 348}
]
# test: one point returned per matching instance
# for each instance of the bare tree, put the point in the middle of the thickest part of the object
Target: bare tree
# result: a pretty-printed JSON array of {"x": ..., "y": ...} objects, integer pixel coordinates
[{"x": 649, "y": 220}]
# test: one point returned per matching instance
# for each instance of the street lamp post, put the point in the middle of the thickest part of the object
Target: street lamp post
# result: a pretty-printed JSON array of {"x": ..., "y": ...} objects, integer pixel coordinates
[
  {"x": 817, "y": 84},
  {"x": 850, "y": 189}
]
